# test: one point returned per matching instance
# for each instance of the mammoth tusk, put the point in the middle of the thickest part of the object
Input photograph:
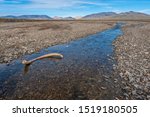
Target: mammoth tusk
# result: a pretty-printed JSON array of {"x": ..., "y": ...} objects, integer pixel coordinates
[{"x": 52, "y": 55}]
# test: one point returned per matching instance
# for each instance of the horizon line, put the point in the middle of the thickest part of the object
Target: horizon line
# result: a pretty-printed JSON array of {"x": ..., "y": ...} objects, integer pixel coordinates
[{"x": 78, "y": 15}]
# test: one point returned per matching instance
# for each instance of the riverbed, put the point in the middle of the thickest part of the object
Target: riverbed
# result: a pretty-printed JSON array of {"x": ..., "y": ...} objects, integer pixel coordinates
[{"x": 85, "y": 72}]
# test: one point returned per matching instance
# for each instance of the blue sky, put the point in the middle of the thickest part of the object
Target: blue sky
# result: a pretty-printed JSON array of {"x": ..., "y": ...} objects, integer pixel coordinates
[{"x": 66, "y": 8}]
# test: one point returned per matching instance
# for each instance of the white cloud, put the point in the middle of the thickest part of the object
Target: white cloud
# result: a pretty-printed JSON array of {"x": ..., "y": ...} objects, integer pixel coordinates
[
  {"x": 51, "y": 3},
  {"x": 92, "y": 3},
  {"x": 41, "y": 4},
  {"x": 63, "y": 3}
]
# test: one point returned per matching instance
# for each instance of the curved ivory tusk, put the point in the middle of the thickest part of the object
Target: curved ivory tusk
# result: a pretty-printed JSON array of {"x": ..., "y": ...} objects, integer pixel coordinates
[{"x": 52, "y": 55}]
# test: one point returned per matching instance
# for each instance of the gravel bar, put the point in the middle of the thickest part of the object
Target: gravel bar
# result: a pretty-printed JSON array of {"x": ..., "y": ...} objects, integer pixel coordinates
[{"x": 133, "y": 57}]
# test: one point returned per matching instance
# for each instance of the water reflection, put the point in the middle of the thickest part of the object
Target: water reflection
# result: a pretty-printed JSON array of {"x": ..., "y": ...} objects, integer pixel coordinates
[{"x": 26, "y": 69}]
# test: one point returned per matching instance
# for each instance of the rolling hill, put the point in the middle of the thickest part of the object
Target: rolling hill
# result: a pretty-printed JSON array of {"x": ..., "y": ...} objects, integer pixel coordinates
[
  {"x": 37, "y": 17},
  {"x": 123, "y": 15}
]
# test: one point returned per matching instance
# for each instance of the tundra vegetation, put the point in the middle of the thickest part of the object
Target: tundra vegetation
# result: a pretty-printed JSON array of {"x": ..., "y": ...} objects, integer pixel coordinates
[{"x": 27, "y": 36}]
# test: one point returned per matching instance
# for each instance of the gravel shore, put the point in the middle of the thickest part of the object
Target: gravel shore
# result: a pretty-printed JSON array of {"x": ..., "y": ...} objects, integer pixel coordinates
[
  {"x": 20, "y": 38},
  {"x": 133, "y": 57}
]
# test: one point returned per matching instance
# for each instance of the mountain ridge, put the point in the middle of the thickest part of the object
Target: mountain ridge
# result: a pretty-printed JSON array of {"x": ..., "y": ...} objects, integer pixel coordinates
[
  {"x": 130, "y": 14},
  {"x": 100, "y": 15},
  {"x": 27, "y": 17}
]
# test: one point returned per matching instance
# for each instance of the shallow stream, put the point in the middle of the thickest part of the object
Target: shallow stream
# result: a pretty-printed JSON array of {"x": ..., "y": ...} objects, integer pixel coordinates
[{"x": 85, "y": 72}]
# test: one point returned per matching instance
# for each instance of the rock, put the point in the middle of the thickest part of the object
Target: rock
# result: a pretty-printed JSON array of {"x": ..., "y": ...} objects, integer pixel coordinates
[
  {"x": 121, "y": 74},
  {"x": 103, "y": 88},
  {"x": 148, "y": 97},
  {"x": 134, "y": 92}
]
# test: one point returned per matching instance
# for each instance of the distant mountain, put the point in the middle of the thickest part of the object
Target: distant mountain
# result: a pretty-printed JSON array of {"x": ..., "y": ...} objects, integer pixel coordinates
[
  {"x": 38, "y": 17},
  {"x": 78, "y": 17},
  {"x": 9, "y": 16},
  {"x": 100, "y": 15},
  {"x": 123, "y": 15},
  {"x": 132, "y": 15},
  {"x": 57, "y": 18},
  {"x": 63, "y": 18},
  {"x": 68, "y": 18}
]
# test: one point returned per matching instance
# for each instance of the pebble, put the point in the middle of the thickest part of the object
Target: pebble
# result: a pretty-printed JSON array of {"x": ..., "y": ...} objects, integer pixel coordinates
[
  {"x": 132, "y": 54},
  {"x": 103, "y": 88}
]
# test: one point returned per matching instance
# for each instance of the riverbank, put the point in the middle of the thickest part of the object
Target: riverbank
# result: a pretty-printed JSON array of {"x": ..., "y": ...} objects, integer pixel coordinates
[
  {"x": 20, "y": 38},
  {"x": 132, "y": 53}
]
